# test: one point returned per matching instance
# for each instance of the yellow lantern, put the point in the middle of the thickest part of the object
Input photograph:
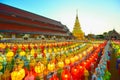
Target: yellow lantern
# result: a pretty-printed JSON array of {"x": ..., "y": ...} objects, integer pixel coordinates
[
  {"x": 1, "y": 66},
  {"x": 9, "y": 56},
  {"x": 22, "y": 53},
  {"x": 84, "y": 53},
  {"x": 10, "y": 53},
  {"x": 67, "y": 61},
  {"x": 39, "y": 68},
  {"x": 50, "y": 50},
  {"x": 32, "y": 62},
  {"x": 1, "y": 59},
  {"x": 51, "y": 66},
  {"x": 61, "y": 64},
  {"x": 21, "y": 74},
  {"x": 55, "y": 50},
  {"x": 72, "y": 59},
  {"x": 21, "y": 64},
  {"x": 14, "y": 75},
  {"x": 76, "y": 58},
  {"x": 45, "y": 51},
  {"x": 80, "y": 56},
  {"x": 18, "y": 75},
  {"x": 32, "y": 52}
]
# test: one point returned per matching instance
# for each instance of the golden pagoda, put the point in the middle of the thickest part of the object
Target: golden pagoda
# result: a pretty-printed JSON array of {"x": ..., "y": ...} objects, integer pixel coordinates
[{"x": 77, "y": 32}]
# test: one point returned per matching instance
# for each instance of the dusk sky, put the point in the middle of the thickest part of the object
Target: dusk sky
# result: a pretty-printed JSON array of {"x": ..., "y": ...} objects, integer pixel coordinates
[{"x": 95, "y": 16}]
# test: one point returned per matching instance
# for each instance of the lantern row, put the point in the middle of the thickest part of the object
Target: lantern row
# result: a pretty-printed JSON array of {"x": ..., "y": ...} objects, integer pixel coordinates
[{"x": 60, "y": 55}]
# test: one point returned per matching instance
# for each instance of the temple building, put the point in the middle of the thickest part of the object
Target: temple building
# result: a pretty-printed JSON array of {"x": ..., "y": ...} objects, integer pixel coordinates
[
  {"x": 112, "y": 35},
  {"x": 77, "y": 31},
  {"x": 16, "y": 23}
]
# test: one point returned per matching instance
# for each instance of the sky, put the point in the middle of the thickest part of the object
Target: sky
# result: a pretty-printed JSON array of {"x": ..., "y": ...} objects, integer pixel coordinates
[{"x": 95, "y": 16}]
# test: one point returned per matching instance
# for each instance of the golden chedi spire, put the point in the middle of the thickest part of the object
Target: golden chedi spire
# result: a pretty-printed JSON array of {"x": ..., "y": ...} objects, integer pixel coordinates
[{"x": 77, "y": 32}]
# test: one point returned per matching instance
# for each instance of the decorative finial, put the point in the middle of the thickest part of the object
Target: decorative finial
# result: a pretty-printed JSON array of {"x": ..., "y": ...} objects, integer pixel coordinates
[{"x": 77, "y": 13}]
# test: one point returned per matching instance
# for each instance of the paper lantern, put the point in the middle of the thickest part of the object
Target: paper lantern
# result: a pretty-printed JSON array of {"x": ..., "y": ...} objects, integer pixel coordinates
[
  {"x": 61, "y": 64},
  {"x": 75, "y": 72},
  {"x": 84, "y": 53},
  {"x": 1, "y": 66},
  {"x": 76, "y": 58},
  {"x": 10, "y": 54},
  {"x": 54, "y": 77},
  {"x": 39, "y": 68},
  {"x": 1, "y": 59},
  {"x": 72, "y": 59},
  {"x": 18, "y": 75},
  {"x": 67, "y": 61},
  {"x": 32, "y": 52},
  {"x": 80, "y": 56},
  {"x": 51, "y": 66},
  {"x": 22, "y": 53},
  {"x": 65, "y": 75}
]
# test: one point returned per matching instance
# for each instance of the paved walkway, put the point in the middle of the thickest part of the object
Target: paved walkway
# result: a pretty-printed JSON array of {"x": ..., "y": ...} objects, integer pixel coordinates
[{"x": 113, "y": 70}]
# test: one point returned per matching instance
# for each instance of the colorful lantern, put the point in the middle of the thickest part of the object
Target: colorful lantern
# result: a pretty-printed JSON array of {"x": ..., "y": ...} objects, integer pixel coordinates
[
  {"x": 54, "y": 77},
  {"x": 39, "y": 68},
  {"x": 18, "y": 75},
  {"x": 1, "y": 66},
  {"x": 22, "y": 53},
  {"x": 75, "y": 72},
  {"x": 66, "y": 75},
  {"x": 67, "y": 61},
  {"x": 61, "y": 64},
  {"x": 80, "y": 56},
  {"x": 51, "y": 66}
]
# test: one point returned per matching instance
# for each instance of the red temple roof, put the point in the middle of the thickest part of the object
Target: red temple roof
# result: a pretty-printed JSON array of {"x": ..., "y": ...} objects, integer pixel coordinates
[{"x": 17, "y": 20}]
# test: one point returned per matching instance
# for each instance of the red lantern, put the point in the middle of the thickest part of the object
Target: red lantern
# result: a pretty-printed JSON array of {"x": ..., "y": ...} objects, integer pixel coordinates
[
  {"x": 74, "y": 73},
  {"x": 29, "y": 47},
  {"x": 54, "y": 77},
  {"x": 81, "y": 71},
  {"x": 14, "y": 49},
  {"x": 83, "y": 64},
  {"x": 42, "y": 50},
  {"x": 23, "y": 47},
  {"x": 66, "y": 75}
]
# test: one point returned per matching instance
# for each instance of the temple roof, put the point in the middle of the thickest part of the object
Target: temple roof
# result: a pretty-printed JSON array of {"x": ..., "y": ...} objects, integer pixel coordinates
[
  {"x": 19, "y": 12},
  {"x": 16, "y": 20}
]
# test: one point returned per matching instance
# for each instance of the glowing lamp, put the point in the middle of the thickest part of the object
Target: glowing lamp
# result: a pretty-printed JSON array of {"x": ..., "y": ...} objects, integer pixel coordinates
[
  {"x": 84, "y": 53},
  {"x": 67, "y": 61},
  {"x": 74, "y": 72},
  {"x": 1, "y": 66},
  {"x": 54, "y": 77},
  {"x": 51, "y": 66},
  {"x": 76, "y": 58},
  {"x": 66, "y": 75},
  {"x": 60, "y": 64},
  {"x": 10, "y": 54},
  {"x": 80, "y": 56},
  {"x": 18, "y": 75},
  {"x": 32, "y": 52},
  {"x": 23, "y": 48},
  {"x": 22, "y": 53},
  {"x": 39, "y": 68},
  {"x": 72, "y": 59}
]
